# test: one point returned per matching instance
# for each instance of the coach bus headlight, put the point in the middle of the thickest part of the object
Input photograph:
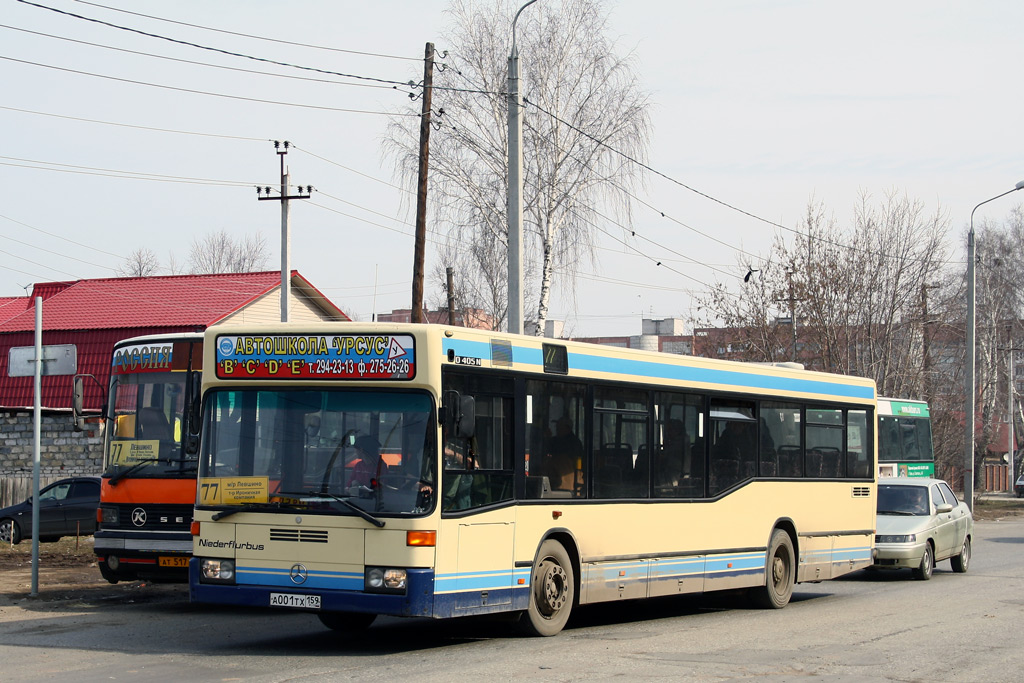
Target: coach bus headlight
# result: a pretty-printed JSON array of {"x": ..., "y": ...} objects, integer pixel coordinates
[
  {"x": 217, "y": 571},
  {"x": 385, "y": 580},
  {"x": 896, "y": 538},
  {"x": 108, "y": 515}
]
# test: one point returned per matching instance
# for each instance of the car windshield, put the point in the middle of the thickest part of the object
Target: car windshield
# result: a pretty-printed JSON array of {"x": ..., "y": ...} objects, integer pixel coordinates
[
  {"x": 326, "y": 451},
  {"x": 902, "y": 500}
]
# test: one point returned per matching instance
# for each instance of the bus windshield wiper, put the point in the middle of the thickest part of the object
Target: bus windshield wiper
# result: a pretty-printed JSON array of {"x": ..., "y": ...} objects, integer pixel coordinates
[
  {"x": 379, "y": 523},
  {"x": 145, "y": 461},
  {"x": 253, "y": 507}
]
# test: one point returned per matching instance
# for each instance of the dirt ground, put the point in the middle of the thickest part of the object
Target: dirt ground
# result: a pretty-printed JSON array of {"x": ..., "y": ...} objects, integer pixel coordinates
[{"x": 68, "y": 571}]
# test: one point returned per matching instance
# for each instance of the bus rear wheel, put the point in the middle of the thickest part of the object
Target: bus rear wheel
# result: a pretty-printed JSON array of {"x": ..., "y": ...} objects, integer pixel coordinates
[
  {"x": 552, "y": 591},
  {"x": 346, "y": 622},
  {"x": 778, "y": 584}
]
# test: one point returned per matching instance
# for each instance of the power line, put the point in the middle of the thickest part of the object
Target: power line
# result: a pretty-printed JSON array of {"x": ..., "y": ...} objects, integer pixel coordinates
[
  {"x": 206, "y": 64},
  {"x": 128, "y": 125},
  {"x": 202, "y": 92},
  {"x": 254, "y": 37},
  {"x": 60, "y": 237},
  {"x": 211, "y": 49},
  {"x": 127, "y": 174}
]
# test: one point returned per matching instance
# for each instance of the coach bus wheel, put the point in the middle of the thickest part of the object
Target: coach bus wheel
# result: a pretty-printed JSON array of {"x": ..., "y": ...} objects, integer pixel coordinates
[
  {"x": 348, "y": 622},
  {"x": 552, "y": 591},
  {"x": 778, "y": 585}
]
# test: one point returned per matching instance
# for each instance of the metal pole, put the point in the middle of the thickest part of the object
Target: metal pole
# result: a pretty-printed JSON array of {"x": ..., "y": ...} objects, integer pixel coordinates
[
  {"x": 37, "y": 390},
  {"x": 1010, "y": 441},
  {"x": 515, "y": 188},
  {"x": 970, "y": 352}
]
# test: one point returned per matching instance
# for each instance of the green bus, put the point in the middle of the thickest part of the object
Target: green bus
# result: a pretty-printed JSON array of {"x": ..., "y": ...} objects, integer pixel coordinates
[{"x": 904, "y": 438}]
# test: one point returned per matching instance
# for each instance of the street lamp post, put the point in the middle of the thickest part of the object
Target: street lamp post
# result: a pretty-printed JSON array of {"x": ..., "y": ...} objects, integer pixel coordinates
[
  {"x": 969, "y": 384},
  {"x": 515, "y": 188}
]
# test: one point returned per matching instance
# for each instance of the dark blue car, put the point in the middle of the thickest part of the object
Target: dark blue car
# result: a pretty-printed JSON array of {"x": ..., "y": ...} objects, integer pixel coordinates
[{"x": 66, "y": 508}]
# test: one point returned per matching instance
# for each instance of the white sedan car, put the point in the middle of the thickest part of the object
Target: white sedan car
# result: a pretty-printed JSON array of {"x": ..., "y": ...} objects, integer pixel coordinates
[{"x": 921, "y": 522}]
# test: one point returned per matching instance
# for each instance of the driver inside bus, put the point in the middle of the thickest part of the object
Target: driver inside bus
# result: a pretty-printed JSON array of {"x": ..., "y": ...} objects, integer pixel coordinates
[{"x": 370, "y": 466}]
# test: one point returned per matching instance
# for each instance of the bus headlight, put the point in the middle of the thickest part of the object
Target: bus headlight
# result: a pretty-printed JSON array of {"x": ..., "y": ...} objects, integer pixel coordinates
[
  {"x": 385, "y": 580},
  {"x": 108, "y": 515},
  {"x": 217, "y": 570}
]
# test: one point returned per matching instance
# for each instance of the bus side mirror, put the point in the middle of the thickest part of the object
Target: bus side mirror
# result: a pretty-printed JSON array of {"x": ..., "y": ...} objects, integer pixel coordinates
[
  {"x": 465, "y": 426},
  {"x": 78, "y": 401},
  {"x": 458, "y": 415}
]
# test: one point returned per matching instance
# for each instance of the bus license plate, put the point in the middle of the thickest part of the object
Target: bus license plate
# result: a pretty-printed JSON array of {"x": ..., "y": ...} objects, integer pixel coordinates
[
  {"x": 172, "y": 561},
  {"x": 295, "y": 600}
]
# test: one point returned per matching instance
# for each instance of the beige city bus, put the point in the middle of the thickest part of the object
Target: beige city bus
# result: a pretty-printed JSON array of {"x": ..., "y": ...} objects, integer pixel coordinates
[{"x": 354, "y": 469}]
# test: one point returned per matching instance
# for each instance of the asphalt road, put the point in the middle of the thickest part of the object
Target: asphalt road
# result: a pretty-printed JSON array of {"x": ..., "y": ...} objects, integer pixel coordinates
[{"x": 866, "y": 627}]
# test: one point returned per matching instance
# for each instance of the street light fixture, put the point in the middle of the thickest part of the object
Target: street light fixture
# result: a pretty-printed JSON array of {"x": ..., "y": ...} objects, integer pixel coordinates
[{"x": 969, "y": 385}]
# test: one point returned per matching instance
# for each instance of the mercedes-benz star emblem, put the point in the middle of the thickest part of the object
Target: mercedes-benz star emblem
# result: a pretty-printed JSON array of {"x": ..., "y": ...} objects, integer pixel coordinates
[
  {"x": 139, "y": 517},
  {"x": 298, "y": 573}
]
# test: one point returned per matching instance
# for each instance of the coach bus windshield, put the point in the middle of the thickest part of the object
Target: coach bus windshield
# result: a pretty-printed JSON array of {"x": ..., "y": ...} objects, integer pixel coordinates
[
  {"x": 322, "y": 451},
  {"x": 147, "y": 426}
]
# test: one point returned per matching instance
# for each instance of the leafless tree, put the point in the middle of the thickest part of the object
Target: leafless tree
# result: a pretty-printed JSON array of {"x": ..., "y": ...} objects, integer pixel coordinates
[
  {"x": 219, "y": 252},
  {"x": 140, "y": 263},
  {"x": 583, "y": 108}
]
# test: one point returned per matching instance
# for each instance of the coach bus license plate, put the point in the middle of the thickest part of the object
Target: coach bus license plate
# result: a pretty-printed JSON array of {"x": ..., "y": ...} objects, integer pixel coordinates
[
  {"x": 172, "y": 561},
  {"x": 294, "y": 600}
]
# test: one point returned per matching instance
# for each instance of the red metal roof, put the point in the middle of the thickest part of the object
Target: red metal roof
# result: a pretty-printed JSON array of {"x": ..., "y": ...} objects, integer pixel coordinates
[
  {"x": 169, "y": 301},
  {"x": 94, "y": 314}
]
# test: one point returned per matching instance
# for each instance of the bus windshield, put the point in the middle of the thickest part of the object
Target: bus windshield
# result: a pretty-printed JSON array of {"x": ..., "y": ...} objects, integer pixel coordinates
[
  {"x": 147, "y": 423},
  {"x": 323, "y": 451}
]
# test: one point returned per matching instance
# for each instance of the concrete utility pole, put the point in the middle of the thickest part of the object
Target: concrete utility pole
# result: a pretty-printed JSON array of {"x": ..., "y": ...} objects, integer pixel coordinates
[
  {"x": 286, "y": 237},
  {"x": 421, "y": 190},
  {"x": 515, "y": 188}
]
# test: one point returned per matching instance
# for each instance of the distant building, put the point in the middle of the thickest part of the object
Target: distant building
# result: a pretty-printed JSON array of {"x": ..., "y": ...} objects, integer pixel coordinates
[
  {"x": 464, "y": 317},
  {"x": 664, "y": 334}
]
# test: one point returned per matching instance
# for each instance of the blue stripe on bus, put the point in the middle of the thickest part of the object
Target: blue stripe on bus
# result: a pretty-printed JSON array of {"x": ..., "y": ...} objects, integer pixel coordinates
[
  {"x": 269, "y": 576},
  {"x": 667, "y": 371}
]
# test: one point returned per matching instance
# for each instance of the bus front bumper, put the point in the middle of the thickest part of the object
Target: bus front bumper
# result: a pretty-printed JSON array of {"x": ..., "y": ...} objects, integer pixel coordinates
[{"x": 416, "y": 601}]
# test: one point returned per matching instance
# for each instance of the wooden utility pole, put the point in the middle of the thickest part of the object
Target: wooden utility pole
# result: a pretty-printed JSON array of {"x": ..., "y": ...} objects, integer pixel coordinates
[{"x": 421, "y": 190}]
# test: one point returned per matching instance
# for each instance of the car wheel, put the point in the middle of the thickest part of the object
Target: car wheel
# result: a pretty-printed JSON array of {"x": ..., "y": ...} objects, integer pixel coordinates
[
  {"x": 927, "y": 566},
  {"x": 347, "y": 622},
  {"x": 778, "y": 586},
  {"x": 961, "y": 561},
  {"x": 9, "y": 532},
  {"x": 552, "y": 591}
]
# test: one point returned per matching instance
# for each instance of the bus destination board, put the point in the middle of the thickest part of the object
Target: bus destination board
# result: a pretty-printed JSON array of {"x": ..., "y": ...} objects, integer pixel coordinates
[{"x": 349, "y": 356}]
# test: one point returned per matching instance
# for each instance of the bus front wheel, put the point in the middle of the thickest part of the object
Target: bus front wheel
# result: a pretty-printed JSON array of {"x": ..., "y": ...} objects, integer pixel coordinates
[
  {"x": 552, "y": 591},
  {"x": 346, "y": 622},
  {"x": 778, "y": 584}
]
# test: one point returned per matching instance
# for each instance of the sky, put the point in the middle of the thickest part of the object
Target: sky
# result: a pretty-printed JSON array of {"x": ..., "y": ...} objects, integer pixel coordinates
[{"x": 758, "y": 107}]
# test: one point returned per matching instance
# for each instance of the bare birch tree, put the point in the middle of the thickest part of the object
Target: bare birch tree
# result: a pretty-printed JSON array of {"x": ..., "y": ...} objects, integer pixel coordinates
[
  {"x": 582, "y": 101},
  {"x": 219, "y": 252},
  {"x": 140, "y": 263}
]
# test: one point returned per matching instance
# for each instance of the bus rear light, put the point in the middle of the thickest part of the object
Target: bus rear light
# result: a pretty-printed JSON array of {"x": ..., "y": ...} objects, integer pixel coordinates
[
  {"x": 421, "y": 538},
  {"x": 194, "y": 528}
]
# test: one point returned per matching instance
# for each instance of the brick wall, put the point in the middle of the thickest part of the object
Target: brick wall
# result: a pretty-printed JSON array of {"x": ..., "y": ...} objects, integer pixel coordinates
[{"x": 63, "y": 452}]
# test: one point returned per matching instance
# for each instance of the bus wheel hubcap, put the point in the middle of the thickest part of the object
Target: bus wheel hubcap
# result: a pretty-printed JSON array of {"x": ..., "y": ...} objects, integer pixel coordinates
[
  {"x": 553, "y": 582},
  {"x": 778, "y": 571}
]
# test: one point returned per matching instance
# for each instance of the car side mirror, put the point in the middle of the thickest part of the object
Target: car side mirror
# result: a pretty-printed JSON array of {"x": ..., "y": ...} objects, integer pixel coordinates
[{"x": 943, "y": 508}]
